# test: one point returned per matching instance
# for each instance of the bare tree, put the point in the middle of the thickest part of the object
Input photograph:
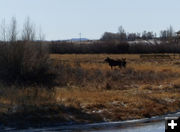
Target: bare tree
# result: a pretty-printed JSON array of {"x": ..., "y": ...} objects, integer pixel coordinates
[
  {"x": 122, "y": 34},
  {"x": 121, "y": 30},
  {"x": 28, "y": 33},
  {"x": 167, "y": 34},
  {"x": 170, "y": 32},
  {"x": 146, "y": 35},
  {"x": 41, "y": 35},
  {"x": 3, "y": 34},
  {"x": 13, "y": 30}
]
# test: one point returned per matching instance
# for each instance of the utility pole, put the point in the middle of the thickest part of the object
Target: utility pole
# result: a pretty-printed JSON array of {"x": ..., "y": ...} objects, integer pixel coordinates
[{"x": 80, "y": 38}]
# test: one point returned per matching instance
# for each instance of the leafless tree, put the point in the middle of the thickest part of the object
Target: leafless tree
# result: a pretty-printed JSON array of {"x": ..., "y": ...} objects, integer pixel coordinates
[
  {"x": 121, "y": 30},
  {"x": 170, "y": 32},
  {"x": 167, "y": 34},
  {"x": 122, "y": 34},
  {"x": 146, "y": 35},
  {"x": 41, "y": 35},
  {"x": 13, "y": 30},
  {"x": 3, "y": 31},
  {"x": 28, "y": 33}
]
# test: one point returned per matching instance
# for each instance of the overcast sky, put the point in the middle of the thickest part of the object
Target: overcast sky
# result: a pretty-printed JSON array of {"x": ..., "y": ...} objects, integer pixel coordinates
[{"x": 64, "y": 19}]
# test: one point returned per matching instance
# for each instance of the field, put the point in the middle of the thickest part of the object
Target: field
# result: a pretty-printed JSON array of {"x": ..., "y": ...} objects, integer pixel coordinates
[
  {"x": 88, "y": 90},
  {"x": 145, "y": 88}
]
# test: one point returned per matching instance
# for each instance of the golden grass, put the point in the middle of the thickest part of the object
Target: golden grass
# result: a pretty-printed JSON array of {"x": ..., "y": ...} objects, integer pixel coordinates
[
  {"x": 18, "y": 96},
  {"x": 133, "y": 103},
  {"x": 136, "y": 100},
  {"x": 89, "y": 61}
]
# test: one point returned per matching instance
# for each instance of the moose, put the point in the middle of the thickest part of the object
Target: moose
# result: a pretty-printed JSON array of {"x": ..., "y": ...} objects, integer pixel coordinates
[{"x": 120, "y": 62}]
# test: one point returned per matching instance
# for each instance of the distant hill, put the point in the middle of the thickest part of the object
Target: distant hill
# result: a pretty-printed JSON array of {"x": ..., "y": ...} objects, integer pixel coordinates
[{"x": 78, "y": 39}]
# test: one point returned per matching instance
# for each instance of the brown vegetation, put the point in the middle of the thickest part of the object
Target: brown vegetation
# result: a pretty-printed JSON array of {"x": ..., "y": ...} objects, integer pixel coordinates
[
  {"x": 25, "y": 63},
  {"x": 121, "y": 94},
  {"x": 88, "y": 90}
]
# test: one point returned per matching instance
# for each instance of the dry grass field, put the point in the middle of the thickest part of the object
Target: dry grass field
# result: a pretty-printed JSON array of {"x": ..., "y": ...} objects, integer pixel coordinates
[
  {"x": 88, "y": 90},
  {"x": 145, "y": 88}
]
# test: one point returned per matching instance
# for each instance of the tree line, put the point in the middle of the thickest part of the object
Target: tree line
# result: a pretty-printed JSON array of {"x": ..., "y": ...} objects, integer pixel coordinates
[
  {"x": 121, "y": 35},
  {"x": 114, "y": 47},
  {"x": 166, "y": 42}
]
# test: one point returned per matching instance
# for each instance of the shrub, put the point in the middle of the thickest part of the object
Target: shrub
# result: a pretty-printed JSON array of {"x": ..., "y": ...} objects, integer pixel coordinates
[{"x": 25, "y": 63}]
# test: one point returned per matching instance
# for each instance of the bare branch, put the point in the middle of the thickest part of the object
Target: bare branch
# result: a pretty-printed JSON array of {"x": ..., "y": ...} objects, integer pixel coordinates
[
  {"x": 3, "y": 31},
  {"x": 28, "y": 33},
  {"x": 13, "y": 30}
]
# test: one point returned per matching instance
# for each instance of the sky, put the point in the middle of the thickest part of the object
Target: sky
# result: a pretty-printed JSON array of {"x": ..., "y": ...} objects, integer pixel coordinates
[{"x": 66, "y": 19}]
